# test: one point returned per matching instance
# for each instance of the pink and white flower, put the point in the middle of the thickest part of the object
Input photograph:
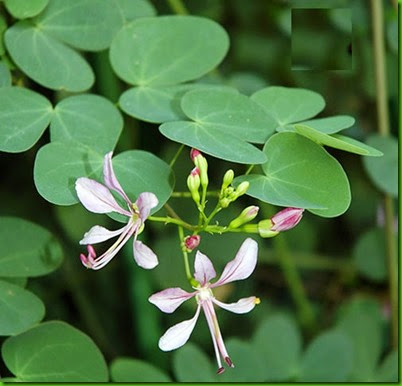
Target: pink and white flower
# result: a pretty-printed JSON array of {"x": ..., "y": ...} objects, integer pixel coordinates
[
  {"x": 98, "y": 198},
  {"x": 241, "y": 267}
]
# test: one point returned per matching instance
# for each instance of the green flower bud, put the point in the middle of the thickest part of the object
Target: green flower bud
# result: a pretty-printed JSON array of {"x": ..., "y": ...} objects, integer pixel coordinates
[
  {"x": 242, "y": 188},
  {"x": 227, "y": 179},
  {"x": 193, "y": 184},
  {"x": 245, "y": 216}
]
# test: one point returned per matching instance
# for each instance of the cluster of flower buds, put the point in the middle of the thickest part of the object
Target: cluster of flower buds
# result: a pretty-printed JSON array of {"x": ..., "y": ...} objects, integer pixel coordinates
[
  {"x": 282, "y": 221},
  {"x": 193, "y": 184},
  {"x": 229, "y": 194}
]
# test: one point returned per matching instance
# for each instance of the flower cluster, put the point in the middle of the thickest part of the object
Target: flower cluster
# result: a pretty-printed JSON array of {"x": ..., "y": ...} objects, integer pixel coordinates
[{"x": 99, "y": 198}]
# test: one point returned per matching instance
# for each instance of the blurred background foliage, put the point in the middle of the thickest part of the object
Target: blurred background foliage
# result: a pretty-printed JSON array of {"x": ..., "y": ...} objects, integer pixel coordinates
[{"x": 332, "y": 322}]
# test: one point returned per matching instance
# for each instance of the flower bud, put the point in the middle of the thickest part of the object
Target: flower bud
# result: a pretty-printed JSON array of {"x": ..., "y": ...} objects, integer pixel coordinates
[
  {"x": 192, "y": 242},
  {"x": 227, "y": 179},
  {"x": 193, "y": 184},
  {"x": 224, "y": 202},
  {"x": 265, "y": 229},
  {"x": 286, "y": 219},
  {"x": 242, "y": 188},
  {"x": 201, "y": 163},
  {"x": 245, "y": 216}
]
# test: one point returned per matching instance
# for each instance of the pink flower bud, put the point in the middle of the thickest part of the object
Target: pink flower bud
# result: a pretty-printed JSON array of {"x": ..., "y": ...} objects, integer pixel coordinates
[
  {"x": 195, "y": 172},
  {"x": 191, "y": 242},
  {"x": 286, "y": 219},
  {"x": 194, "y": 153}
]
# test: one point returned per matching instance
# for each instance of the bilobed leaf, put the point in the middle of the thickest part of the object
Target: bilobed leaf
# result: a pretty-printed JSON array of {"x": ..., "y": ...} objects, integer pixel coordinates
[
  {"x": 361, "y": 321},
  {"x": 83, "y": 24},
  {"x": 287, "y": 105},
  {"x": 26, "y": 249},
  {"x": 190, "y": 364},
  {"x": 369, "y": 255},
  {"x": 167, "y": 50},
  {"x": 277, "y": 342},
  {"x": 155, "y": 104},
  {"x": 59, "y": 164},
  {"x": 384, "y": 171},
  {"x": 88, "y": 119},
  {"x": 22, "y": 9},
  {"x": 24, "y": 116},
  {"x": 19, "y": 309},
  {"x": 131, "y": 10},
  {"x": 46, "y": 60},
  {"x": 217, "y": 143},
  {"x": 228, "y": 111},
  {"x": 331, "y": 125},
  {"x": 337, "y": 141},
  {"x": 300, "y": 173},
  {"x": 54, "y": 352},
  {"x": 135, "y": 370},
  {"x": 5, "y": 75},
  {"x": 328, "y": 358}
]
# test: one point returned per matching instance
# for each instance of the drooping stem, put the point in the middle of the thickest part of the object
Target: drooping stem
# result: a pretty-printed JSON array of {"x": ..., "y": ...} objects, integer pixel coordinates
[
  {"x": 384, "y": 129},
  {"x": 176, "y": 156},
  {"x": 178, "y": 7},
  {"x": 185, "y": 256}
]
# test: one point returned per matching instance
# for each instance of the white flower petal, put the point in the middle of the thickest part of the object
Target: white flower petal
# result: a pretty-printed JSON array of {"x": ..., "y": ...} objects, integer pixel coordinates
[
  {"x": 242, "y": 306},
  {"x": 203, "y": 268},
  {"x": 97, "y": 197},
  {"x": 170, "y": 299},
  {"x": 179, "y": 334},
  {"x": 242, "y": 266},
  {"x": 145, "y": 202},
  {"x": 110, "y": 178},
  {"x": 144, "y": 256},
  {"x": 97, "y": 234}
]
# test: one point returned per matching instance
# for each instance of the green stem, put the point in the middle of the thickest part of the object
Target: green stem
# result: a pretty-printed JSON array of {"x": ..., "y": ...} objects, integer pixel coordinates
[
  {"x": 178, "y": 7},
  {"x": 170, "y": 220},
  {"x": 174, "y": 159},
  {"x": 250, "y": 168},
  {"x": 188, "y": 194},
  {"x": 185, "y": 256},
  {"x": 384, "y": 130},
  {"x": 292, "y": 277}
]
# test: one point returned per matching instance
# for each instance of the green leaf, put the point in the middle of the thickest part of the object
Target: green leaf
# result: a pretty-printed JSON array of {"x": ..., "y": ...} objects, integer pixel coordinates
[
  {"x": 5, "y": 75},
  {"x": 26, "y": 249},
  {"x": 190, "y": 364},
  {"x": 331, "y": 125},
  {"x": 300, "y": 173},
  {"x": 246, "y": 82},
  {"x": 140, "y": 171},
  {"x": 361, "y": 321},
  {"x": 54, "y": 352},
  {"x": 84, "y": 24},
  {"x": 278, "y": 342},
  {"x": 24, "y": 116},
  {"x": 287, "y": 105},
  {"x": 384, "y": 171},
  {"x": 135, "y": 370},
  {"x": 217, "y": 143},
  {"x": 131, "y": 10},
  {"x": 89, "y": 119},
  {"x": 155, "y": 104},
  {"x": 22, "y": 9},
  {"x": 369, "y": 255},
  {"x": 388, "y": 371},
  {"x": 57, "y": 167},
  {"x": 249, "y": 366},
  {"x": 392, "y": 35},
  {"x": 19, "y": 281},
  {"x": 19, "y": 309},
  {"x": 337, "y": 141},
  {"x": 47, "y": 61},
  {"x": 229, "y": 112},
  {"x": 328, "y": 358},
  {"x": 167, "y": 50}
]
